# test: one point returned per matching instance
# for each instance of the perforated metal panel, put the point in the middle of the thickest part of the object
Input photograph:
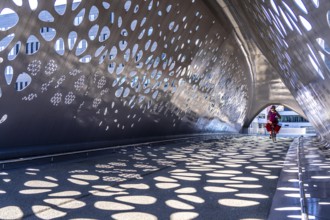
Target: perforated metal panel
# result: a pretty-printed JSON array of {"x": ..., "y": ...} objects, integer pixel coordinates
[
  {"x": 92, "y": 71},
  {"x": 294, "y": 36}
]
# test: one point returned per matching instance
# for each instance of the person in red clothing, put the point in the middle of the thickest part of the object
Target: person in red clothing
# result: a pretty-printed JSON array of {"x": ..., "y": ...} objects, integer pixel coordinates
[{"x": 272, "y": 120}]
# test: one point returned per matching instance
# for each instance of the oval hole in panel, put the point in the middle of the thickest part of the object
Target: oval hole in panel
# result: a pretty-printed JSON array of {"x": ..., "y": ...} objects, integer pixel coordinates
[
  {"x": 122, "y": 45},
  {"x": 111, "y": 67},
  {"x": 289, "y": 10},
  {"x": 154, "y": 46},
  {"x": 92, "y": 33},
  {"x": 120, "y": 21},
  {"x": 13, "y": 18},
  {"x": 155, "y": 94},
  {"x": 33, "y": 4},
  {"x": 82, "y": 47},
  {"x": 79, "y": 18},
  {"x": 168, "y": 8},
  {"x": 93, "y": 13},
  {"x": 156, "y": 62},
  {"x": 5, "y": 116},
  {"x": 124, "y": 32},
  {"x": 143, "y": 21},
  {"x": 99, "y": 51},
  {"x": 23, "y": 81},
  {"x": 126, "y": 92},
  {"x": 305, "y": 23},
  {"x": 9, "y": 73},
  {"x": 323, "y": 44},
  {"x": 136, "y": 9},
  {"x": 150, "y": 5},
  {"x": 102, "y": 57},
  {"x": 6, "y": 41},
  {"x": 59, "y": 6},
  {"x": 150, "y": 31},
  {"x": 113, "y": 53},
  {"x": 18, "y": 2},
  {"x": 48, "y": 33},
  {"x": 301, "y": 6},
  {"x": 127, "y": 55},
  {"x": 147, "y": 45},
  {"x": 316, "y": 3},
  {"x": 32, "y": 45},
  {"x": 59, "y": 46},
  {"x": 134, "y": 50},
  {"x": 141, "y": 34},
  {"x": 134, "y": 81},
  {"x": 106, "y": 5},
  {"x": 120, "y": 68},
  {"x": 45, "y": 16},
  {"x": 104, "y": 34},
  {"x": 133, "y": 25},
  {"x": 127, "y": 5},
  {"x": 14, "y": 51},
  {"x": 153, "y": 74},
  {"x": 119, "y": 92},
  {"x": 75, "y": 4},
  {"x": 85, "y": 59},
  {"x": 284, "y": 16},
  {"x": 72, "y": 38},
  {"x": 171, "y": 25},
  {"x": 139, "y": 56}
]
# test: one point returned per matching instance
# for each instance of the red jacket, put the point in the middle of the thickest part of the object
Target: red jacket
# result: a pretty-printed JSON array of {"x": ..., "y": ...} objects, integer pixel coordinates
[{"x": 272, "y": 116}]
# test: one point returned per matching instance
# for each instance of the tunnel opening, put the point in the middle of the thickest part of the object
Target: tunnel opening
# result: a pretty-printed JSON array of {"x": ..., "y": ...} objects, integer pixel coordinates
[{"x": 292, "y": 123}]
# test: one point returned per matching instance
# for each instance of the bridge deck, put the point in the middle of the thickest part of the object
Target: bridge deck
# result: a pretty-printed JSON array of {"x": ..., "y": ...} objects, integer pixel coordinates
[{"x": 213, "y": 177}]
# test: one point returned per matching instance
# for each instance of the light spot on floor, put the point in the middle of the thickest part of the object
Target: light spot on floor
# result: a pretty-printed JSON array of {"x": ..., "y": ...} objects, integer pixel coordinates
[
  {"x": 184, "y": 216},
  {"x": 40, "y": 184},
  {"x": 237, "y": 202},
  {"x": 65, "y": 193},
  {"x": 190, "y": 198},
  {"x": 141, "y": 200},
  {"x": 47, "y": 212},
  {"x": 11, "y": 212},
  {"x": 133, "y": 216},
  {"x": 167, "y": 185},
  {"x": 178, "y": 205},
  {"x": 112, "y": 206},
  {"x": 218, "y": 189}
]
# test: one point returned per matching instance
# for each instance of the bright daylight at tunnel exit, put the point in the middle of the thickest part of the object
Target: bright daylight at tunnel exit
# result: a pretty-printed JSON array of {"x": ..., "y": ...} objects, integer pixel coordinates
[{"x": 150, "y": 109}]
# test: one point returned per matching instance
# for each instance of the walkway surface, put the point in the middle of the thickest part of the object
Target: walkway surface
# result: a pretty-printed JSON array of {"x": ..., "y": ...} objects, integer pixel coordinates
[
  {"x": 211, "y": 177},
  {"x": 307, "y": 196}
]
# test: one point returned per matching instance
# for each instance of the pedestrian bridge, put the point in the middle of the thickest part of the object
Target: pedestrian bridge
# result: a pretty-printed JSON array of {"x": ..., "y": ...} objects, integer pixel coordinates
[
  {"x": 82, "y": 77},
  {"x": 79, "y": 74}
]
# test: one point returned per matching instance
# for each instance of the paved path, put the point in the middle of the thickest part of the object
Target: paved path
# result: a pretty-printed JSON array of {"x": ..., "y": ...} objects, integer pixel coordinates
[{"x": 214, "y": 177}]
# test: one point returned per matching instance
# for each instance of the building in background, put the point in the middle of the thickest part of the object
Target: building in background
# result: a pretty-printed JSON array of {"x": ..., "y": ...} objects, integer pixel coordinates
[{"x": 291, "y": 122}]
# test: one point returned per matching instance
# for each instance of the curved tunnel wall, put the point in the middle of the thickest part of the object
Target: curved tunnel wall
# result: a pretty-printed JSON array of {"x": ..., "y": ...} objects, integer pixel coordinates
[
  {"x": 294, "y": 37},
  {"x": 93, "y": 71}
]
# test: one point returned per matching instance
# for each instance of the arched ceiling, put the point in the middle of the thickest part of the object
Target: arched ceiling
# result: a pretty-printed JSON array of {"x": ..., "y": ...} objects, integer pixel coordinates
[
  {"x": 86, "y": 74},
  {"x": 294, "y": 37}
]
